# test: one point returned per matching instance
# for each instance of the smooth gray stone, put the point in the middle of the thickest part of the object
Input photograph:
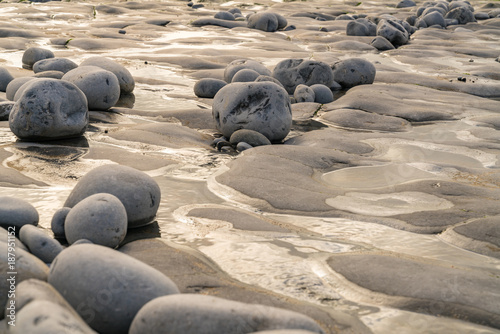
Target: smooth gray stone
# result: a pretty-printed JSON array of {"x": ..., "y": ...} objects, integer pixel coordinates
[
  {"x": 361, "y": 27},
  {"x": 382, "y": 44},
  {"x": 208, "y": 87},
  {"x": 209, "y": 21},
  {"x": 26, "y": 266},
  {"x": 462, "y": 14},
  {"x": 126, "y": 80},
  {"x": 14, "y": 85},
  {"x": 34, "y": 54},
  {"x": 100, "y": 218},
  {"x": 16, "y": 212},
  {"x": 393, "y": 32},
  {"x": 224, "y": 16},
  {"x": 101, "y": 87},
  {"x": 293, "y": 72},
  {"x": 260, "y": 106},
  {"x": 40, "y": 243},
  {"x": 322, "y": 94},
  {"x": 460, "y": 4},
  {"x": 194, "y": 314},
  {"x": 344, "y": 17},
  {"x": 49, "y": 109},
  {"x": 481, "y": 16},
  {"x": 49, "y": 74},
  {"x": 250, "y": 137},
  {"x": 420, "y": 23},
  {"x": 261, "y": 78},
  {"x": 266, "y": 21},
  {"x": 5, "y": 108},
  {"x": 57, "y": 222},
  {"x": 44, "y": 317},
  {"x": 242, "y": 146},
  {"x": 434, "y": 18},
  {"x": 54, "y": 64},
  {"x": 138, "y": 192},
  {"x": 353, "y": 72},
  {"x": 303, "y": 93},
  {"x": 406, "y": 4},
  {"x": 82, "y": 241},
  {"x": 5, "y": 79},
  {"x": 234, "y": 11},
  {"x": 245, "y": 75},
  {"x": 239, "y": 64},
  {"x": 433, "y": 9},
  {"x": 107, "y": 288}
]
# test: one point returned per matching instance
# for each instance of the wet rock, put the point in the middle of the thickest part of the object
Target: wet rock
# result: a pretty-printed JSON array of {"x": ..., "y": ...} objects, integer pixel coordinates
[
  {"x": 137, "y": 191},
  {"x": 434, "y": 18},
  {"x": 95, "y": 280},
  {"x": 57, "y": 222},
  {"x": 126, "y": 80},
  {"x": 236, "y": 65},
  {"x": 303, "y": 93},
  {"x": 250, "y": 137},
  {"x": 393, "y": 32},
  {"x": 42, "y": 316},
  {"x": 242, "y": 146},
  {"x": 49, "y": 74},
  {"x": 361, "y": 27},
  {"x": 344, "y": 17},
  {"x": 224, "y": 16},
  {"x": 5, "y": 79},
  {"x": 5, "y": 108},
  {"x": 406, "y": 4},
  {"x": 100, "y": 218},
  {"x": 101, "y": 87},
  {"x": 208, "y": 87},
  {"x": 54, "y": 64},
  {"x": 210, "y": 314},
  {"x": 34, "y": 54},
  {"x": 322, "y": 94},
  {"x": 462, "y": 14},
  {"x": 382, "y": 44},
  {"x": 293, "y": 72},
  {"x": 245, "y": 75},
  {"x": 14, "y": 85},
  {"x": 261, "y": 78},
  {"x": 481, "y": 16},
  {"x": 267, "y": 21},
  {"x": 260, "y": 106},
  {"x": 40, "y": 243},
  {"x": 16, "y": 212},
  {"x": 353, "y": 72},
  {"x": 49, "y": 109}
]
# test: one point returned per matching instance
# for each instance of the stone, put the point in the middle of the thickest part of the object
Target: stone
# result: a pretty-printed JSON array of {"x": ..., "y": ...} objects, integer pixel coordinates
[
  {"x": 250, "y": 137},
  {"x": 433, "y": 9},
  {"x": 101, "y": 87},
  {"x": 57, "y": 222},
  {"x": 5, "y": 79},
  {"x": 358, "y": 119},
  {"x": 382, "y": 44},
  {"x": 303, "y": 94},
  {"x": 41, "y": 316},
  {"x": 235, "y": 11},
  {"x": 4, "y": 237},
  {"x": 261, "y": 78},
  {"x": 138, "y": 192},
  {"x": 293, "y": 72},
  {"x": 462, "y": 14},
  {"x": 16, "y": 212},
  {"x": 34, "y": 54},
  {"x": 224, "y": 16},
  {"x": 353, "y": 72},
  {"x": 245, "y": 75},
  {"x": 54, "y": 64},
  {"x": 260, "y": 106},
  {"x": 105, "y": 287},
  {"x": 193, "y": 313},
  {"x": 322, "y": 94},
  {"x": 100, "y": 218},
  {"x": 49, "y": 74},
  {"x": 49, "y": 109},
  {"x": 236, "y": 65},
  {"x": 14, "y": 85},
  {"x": 126, "y": 80},
  {"x": 481, "y": 16},
  {"x": 242, "y": 146},
  {"x": 393, "y": 32},
  {"x": 40, "y": 243},
  {"x": 344, "y": 17},
  {"x": 361, "y": 27},
  {"x": 406, "y": 4},
  {"x": 434, "y": 18},
  {"x": 5, "y": 108},
  {"x": 267, "y": 21},
  {"x": 208, "y": 87}
]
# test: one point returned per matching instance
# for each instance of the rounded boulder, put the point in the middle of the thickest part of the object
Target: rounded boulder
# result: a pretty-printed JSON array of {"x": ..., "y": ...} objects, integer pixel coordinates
[
  {"x": 5, "y": 79},
  {"x": 40, "y": 243},
  {"x": 54, "y": 64},
  {"x": 34, "y": 54},
  {"x": 126, "y": 80},
  {"x": 236, "y": 65},
  {"x": 260, "y": 106},
  {"x": 138, "y": 192},
  {"x": 354, "y": 71},
  {"x": 245, "y": 75},
  {"x": 393, "y": 32},
  {"x": 208, "y": 87},
  {"x": 250, "y": 137},
  {"x": 293, "y": 72},
  {"x": 304, "y": 93},
  {"x": 16, "y": 212}
]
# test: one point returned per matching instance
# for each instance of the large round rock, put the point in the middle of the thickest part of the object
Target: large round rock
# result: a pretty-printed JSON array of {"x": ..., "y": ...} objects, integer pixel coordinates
[
  {"x": 5, "y": 79},
  {"x": 194, "y": 314},
  {"x": 54, "y": 64},
  {"x": 236, "y": 65},
  {"x": 16, "y": 212},
  {"x": 260, "y": 106},
  {"x": 40, "y": 243},
  {"x": 126, "y": 80},
  {"x": 393, "y": 32},
  {"x": 354, "y": 71},
  {"x": 294, "y": 72},
  {"x": 101, "y": 87},
  {"x": 138, "y": 192},
  {"x": 208, "y": 87},
  {"x": 49, "y": 109},
  {"x": 107, "y": 288},
  {"x": 100, "y": 218},
  {"x": 34, "y": 54}
]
